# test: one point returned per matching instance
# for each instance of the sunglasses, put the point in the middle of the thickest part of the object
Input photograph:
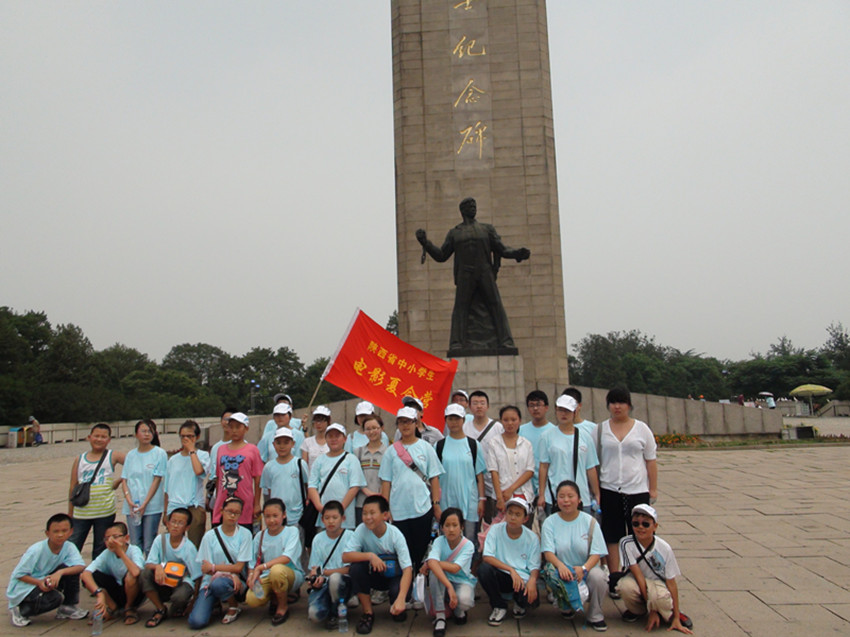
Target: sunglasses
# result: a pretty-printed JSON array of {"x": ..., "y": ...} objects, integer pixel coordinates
[{"x": 642, "y": 523}]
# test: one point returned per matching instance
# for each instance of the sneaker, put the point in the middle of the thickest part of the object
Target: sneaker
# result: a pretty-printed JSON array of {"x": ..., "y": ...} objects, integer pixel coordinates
[
  {"x": 365, "y": 625},
  {"x": 460, "y": 618},
  {"x": 519, "y": 612},
  {"x": 685, "y": 621},
  {"x": 568, "y": 613},
  {"x": 379, "y": 597},
  {"x": 353, "y": 602},
  {"x": 401, "y": 617},
  {"x": 612, "y": 591},
  {"x": 414, "y": 605},
  {"x": 599, "y": 626},
  {"x": 67, "y": 611},
  {"x": 18, "y": 618},
  {"x": 332, "y": 623},
  {"x": 630, "y": 617},
  {"x": 497, "y": 616}
]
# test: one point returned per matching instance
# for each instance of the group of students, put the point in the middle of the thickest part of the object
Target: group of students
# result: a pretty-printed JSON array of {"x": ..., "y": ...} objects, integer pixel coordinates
[{"x": 500, "y": 503}]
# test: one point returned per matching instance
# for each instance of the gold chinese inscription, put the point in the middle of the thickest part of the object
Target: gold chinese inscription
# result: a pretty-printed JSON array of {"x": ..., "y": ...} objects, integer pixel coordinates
[
  {"x": 473, "y": 134},
  {"x": 466, "y": 5},
  {"x": 467, "y": 47},
  {"x": 470, "y": 94}
]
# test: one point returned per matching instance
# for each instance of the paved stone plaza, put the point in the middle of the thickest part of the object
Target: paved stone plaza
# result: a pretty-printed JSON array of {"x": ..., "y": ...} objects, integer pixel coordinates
[{"x": 762, "y": 537}]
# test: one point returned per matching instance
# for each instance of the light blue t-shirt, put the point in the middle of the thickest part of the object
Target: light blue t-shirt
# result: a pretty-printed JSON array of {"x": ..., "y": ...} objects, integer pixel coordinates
[
  {"x": 294, "y": 423},
  {"x": 214, "y": 457},
  {"x": 568, "y": 540},
  {"x": 357, "y": 439},
  {"x": 183, "y": 486},
  {"x": 458, "y": 483},
  {"x": 587, "y": 427},
  {"x": 109, "y": 563},
  {"x": 266, "y": 444},
  {"x": 410, "y": 497},
  {"x": 239, "y": 545},
  {"x": 322, "y": 547},
  {"x": 391, "y": 542},
  {"x": 533, "y": 435},
  {"x": 348, "y": 475},
  {"x": 186, "y": 553},
  {"x": 139, "y": 471},
  {"x": 283, "y": 481},
  {"x": 39, "y": 561},
  {"x": 522, "y": 554},
  {"x": 440, "y": 551},
  {"x": 288, "y": 543},
  {"x": 556, "y": 448}
]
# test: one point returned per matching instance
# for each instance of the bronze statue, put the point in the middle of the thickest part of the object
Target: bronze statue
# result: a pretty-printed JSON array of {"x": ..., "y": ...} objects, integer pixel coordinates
[{"x": 479, "y": 323}]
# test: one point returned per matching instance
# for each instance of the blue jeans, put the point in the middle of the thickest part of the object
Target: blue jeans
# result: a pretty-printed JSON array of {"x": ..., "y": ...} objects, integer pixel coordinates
[
  {"x": 143, "y": 535},
  {"x": 322, "y": 600},
  {"x": 81, "y": 529},
  {"x": 219, "y": 590}
]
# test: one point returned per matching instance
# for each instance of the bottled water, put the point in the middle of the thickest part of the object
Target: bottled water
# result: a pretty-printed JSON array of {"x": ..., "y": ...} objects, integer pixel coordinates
[
  {"x": 97, "y": 623},
  {"x": 342, "y": 616},
  {"x": 135, "y": 514},
  {"x": 435, "y": 528},
  {"x": 258, "y": 589}
]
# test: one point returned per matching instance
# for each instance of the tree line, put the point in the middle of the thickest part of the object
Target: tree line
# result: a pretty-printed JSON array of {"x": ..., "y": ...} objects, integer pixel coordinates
[{"x": 55, "y": 374}]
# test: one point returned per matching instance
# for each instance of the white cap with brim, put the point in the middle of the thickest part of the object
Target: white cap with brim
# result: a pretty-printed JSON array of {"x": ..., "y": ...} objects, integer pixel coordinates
[
  {"x": 412, "y": 401},
  {"x": 519, "y": 502},
  {"x": 566, "y": 402},
  {"x": 284, "y": 432},
  {"x": 336, "y": 427},
  {"x": 241, "y": 418},
  {"x": 321, "y": 410},
  {"x": 282, "y": 408},
  {"x": 461, "y": 392},
  {"x": 407, "y": 412},
  {"x": 364, "y": 408},
  {"x": 455, "y": 410},
  {"x": 645, "y": 509}
]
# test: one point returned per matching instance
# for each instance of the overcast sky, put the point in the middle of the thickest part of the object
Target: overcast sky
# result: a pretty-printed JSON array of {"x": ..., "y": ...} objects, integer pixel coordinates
[{"x": 222, "y": 172}]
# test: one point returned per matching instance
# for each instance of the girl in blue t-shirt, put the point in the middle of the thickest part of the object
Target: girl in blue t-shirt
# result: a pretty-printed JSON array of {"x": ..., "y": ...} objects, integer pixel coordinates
[
  {"x": 144, "y": 470},
  {"x": 450, "y": 579}
]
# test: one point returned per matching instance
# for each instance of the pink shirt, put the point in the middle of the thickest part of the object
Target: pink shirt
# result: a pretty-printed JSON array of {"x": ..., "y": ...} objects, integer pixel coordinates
[{"x": 235, "y": 472}]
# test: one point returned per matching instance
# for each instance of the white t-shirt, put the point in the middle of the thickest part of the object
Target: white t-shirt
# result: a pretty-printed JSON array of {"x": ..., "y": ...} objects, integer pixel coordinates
[
  {"x": 660, "y": 558},
  {"x": 622, "y": 464},
  {"x": 511, "y": 463},
  {"x": 313, "y": 450}
]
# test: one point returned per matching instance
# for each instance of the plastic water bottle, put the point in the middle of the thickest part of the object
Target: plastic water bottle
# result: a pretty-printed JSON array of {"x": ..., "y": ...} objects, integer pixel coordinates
[
  {"x": 595, "y": 508},
  {"x": 342, "y": 616},
  {"x": 258, "y": 589},
  {"x": 97, "y": 623},
  {"x": 135, "y": 516},
  {"x": 435, "y": 528}
]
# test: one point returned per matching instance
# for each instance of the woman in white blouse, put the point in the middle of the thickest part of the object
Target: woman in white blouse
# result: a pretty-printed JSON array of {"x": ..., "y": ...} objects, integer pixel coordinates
[
  {"x": 628, "y": 473},
  {"x": 510, "y": 460}
]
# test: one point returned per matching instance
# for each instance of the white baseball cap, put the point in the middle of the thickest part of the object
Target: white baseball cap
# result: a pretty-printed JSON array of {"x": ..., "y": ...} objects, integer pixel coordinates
[
  {"x": 646, "y": 510},
  {"x": 282, "y": 408},
  {"x": 321, "y": 410},
  {"x": 284, "y": 432},
  {"x": 455, "y": 410},
  {"x": 336, "y": 427},
  {"x": 413, "y": 401},
  {"x": 566, "y": 402},
  {"x": 519, "y": 502},
  {"x": 240, "y": 417},
  {"x": 407, "y": 412},
  {"x": 364, "y": 408}
]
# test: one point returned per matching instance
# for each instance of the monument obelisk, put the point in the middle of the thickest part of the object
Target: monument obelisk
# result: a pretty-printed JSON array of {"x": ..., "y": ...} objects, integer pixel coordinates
[{"x": 473, "y": 118}]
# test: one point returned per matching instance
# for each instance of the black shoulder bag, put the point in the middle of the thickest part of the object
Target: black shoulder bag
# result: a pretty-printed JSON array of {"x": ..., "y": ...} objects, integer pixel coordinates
[
  {"x": 310, "y": 514},
  {"x": 81, "y": 493}
]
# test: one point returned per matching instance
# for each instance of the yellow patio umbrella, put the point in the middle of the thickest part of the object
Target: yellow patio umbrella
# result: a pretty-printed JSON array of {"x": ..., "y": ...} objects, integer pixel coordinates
[{"x": 809, "y": 390}]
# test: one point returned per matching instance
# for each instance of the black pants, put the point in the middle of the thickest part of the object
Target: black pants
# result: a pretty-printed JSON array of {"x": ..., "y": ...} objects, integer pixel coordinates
[
  {"x": 115, "y": 590},
  {"x": 417, "y": 532},
  {"x": 496, "y": 582},
  {"x": 363, "y": 579},
  {"x": 38, "y": 602},
  {"x": 617, "y": 513}
]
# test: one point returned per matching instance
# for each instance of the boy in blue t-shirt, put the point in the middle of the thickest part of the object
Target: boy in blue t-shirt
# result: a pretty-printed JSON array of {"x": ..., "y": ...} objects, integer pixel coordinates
[
  {"x": 379, "y": 558},
  {"x": 330, "y": 583},
  {"x": 285, "y": 476},
  {"x": 511, "y": 564},
  {"x": 47, "y": 576},
  {"x": 114, "y": 578}
]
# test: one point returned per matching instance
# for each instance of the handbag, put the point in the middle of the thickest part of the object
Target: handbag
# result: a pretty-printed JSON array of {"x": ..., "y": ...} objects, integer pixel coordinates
[
  {"x": 175, "y": 570},
  {"x": 81, "y": 493},
  {"x": 239, "y": 587}
]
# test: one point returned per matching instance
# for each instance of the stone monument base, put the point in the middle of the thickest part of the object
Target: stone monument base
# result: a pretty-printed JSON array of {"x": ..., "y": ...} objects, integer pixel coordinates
[{"x": 501, "y": 377}]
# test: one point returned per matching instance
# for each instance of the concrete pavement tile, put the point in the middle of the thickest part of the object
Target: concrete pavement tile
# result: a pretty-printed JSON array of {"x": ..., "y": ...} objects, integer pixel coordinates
[
  {"x": 842, "y": 610},
  {"x": 745, "y": 609},
  {"x": 747, "y": 548},
  {"x": 774, "y": 597},
  {"x": 815, "y": 616},
  {"x": 826, "y": 568}
]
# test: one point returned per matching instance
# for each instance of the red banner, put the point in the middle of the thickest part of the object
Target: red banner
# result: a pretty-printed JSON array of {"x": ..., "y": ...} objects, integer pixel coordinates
[{"x": 379, "y": 367}]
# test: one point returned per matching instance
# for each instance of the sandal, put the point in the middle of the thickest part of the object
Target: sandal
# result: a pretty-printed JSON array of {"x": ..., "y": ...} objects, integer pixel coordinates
[
  {"x": 440, "y": 627},
  {"x": 279, "y": 618},
  {"x": 231, "y": 615},
  {"x": 131, "y": 616},
  {"x": 293, "y": 597},
  {"x": 365, "y": 625},
  {"x": 156, "y": 618}
]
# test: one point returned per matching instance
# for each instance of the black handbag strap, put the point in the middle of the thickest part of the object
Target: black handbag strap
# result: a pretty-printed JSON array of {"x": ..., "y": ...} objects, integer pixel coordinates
[
  {"x": 486, "y": 429},
  {"x": 301, "y": 484},
  {"x": 97, "y": 466},
  {"x": 575, "y": 466},
  {"x": 331, "y": 474},
  {"x": 223, "y": 546},
  {"x": 642, "y": 556},
  {"x": 330, "y": 555}
]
